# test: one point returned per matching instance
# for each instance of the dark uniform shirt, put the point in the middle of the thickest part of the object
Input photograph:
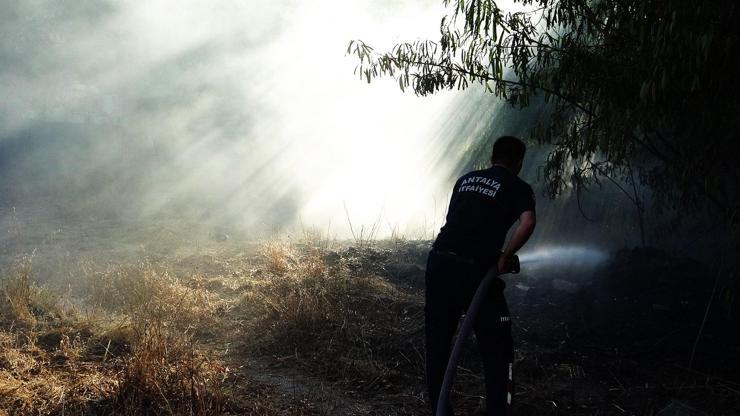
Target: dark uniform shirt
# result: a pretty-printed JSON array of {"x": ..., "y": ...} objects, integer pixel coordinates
[{"x": 483, "y": 206}]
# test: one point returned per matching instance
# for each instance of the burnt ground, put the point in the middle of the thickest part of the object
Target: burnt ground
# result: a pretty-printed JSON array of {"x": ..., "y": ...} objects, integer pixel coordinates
[
  {"x": 626, "y": 337},
  {"x": 615, "y": 338}
]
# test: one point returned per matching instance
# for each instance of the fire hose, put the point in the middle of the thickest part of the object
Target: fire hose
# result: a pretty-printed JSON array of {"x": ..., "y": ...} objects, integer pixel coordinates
[{"x": 467, "y": 324}]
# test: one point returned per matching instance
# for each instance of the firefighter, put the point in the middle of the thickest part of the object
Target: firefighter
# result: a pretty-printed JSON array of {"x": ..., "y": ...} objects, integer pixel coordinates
[{"x": 483, "y": 206}]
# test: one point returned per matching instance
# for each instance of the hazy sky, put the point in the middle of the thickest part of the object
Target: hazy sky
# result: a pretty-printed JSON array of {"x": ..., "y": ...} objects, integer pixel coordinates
[{"x": 254, "y": 105}]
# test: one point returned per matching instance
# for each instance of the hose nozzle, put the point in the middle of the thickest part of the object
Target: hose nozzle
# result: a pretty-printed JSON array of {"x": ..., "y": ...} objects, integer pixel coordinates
[{"x": 512, "y": 265}]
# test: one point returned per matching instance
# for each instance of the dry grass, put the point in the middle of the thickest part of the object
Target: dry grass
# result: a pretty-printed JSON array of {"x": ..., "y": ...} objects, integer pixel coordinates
[
  {"x": 23, "y": 302},
  {"x": 146, "y": 293},
  {"x": 166, "y": 374},
  {"x": 111, "y": 335},
  {"x": 39, "y": 379},
  {"x": 41, "y": 370},
  {"x": 325, "y": 319},
  {"x": 279, "y": 256},
  {"x": 137, "y": 354}
]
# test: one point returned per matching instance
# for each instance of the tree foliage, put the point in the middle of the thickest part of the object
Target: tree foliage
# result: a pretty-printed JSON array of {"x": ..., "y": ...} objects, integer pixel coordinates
[{"x": 630, "y": 85}]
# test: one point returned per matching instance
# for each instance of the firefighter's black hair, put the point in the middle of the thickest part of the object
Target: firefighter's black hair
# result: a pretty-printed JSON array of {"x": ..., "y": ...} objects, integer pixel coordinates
[{"x": 508, "y": 150}]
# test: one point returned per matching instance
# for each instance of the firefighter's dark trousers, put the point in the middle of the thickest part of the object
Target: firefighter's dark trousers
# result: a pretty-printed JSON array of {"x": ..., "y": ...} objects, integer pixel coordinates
[{"x": 451, "y": 282}]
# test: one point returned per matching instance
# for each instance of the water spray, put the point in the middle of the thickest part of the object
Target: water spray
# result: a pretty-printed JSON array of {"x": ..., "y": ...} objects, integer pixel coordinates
[
  {"x": 512, "y": 266},
  {"x": 581, "y": 256}
]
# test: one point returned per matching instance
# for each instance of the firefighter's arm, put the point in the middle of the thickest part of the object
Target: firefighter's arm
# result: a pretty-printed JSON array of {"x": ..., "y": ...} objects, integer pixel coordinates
[{"x": 524, "y": 229}]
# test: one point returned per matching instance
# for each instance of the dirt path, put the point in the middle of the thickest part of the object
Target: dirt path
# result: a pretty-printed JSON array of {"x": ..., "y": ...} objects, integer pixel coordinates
[{"x": 264, "y": 382}]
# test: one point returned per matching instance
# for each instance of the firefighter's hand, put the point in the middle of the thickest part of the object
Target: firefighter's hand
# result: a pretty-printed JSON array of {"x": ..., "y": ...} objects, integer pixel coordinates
[{"x": 503, "y": 264}]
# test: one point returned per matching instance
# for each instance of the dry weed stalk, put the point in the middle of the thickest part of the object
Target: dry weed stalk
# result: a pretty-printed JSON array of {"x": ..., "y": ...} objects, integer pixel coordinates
[
  {"x": 15, "y": 305},
  {"x": 279, "y": 255},
  {"x": 21, "y": 301},
  {"x": 167, "y": 375}
]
